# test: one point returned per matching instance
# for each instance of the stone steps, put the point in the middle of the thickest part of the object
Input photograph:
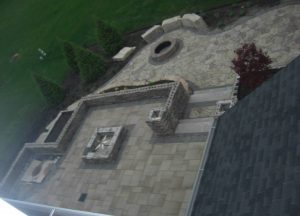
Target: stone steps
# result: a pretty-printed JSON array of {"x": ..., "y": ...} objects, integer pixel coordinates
[
  {"x": 202, "y": 98},
  {"x": 198, "y": 125},
  {"x": 211, "y": 95},
  {"x": 202, "y": 103}
]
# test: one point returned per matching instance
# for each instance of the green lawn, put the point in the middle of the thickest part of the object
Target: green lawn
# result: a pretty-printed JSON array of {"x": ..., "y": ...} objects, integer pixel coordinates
[{"x": 28, "y": 25}]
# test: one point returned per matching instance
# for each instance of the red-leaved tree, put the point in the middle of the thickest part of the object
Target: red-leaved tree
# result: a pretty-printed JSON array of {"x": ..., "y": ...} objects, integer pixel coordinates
[{"x": 252, "y": 65}]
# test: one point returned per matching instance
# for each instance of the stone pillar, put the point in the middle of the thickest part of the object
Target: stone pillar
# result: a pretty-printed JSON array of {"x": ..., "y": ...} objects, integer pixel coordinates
[{"x": 163, "y": 121}]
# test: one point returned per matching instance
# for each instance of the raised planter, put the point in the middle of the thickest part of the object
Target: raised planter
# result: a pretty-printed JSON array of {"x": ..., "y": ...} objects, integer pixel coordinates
[{"x": 58, "y": 126}]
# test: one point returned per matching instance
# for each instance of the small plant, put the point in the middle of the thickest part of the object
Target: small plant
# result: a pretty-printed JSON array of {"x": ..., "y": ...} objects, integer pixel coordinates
[
  {"x": 90, "y": 65},
  {"x": 151, "y": 83},
  {"x": 243, "y": 11},
  {"x": 266, "y": 2},
  {"x": 221, "y": 24},
  {"x": 217, "y": 15},
  {"x": 249, "y": 4},
  {"x": 231, "y": 13},
  {"x": 108, "y": 38},
  {"x": 252, "y": 65},
  {"x": 52, "y": 92},
  {"x": 69, "y": 52}
]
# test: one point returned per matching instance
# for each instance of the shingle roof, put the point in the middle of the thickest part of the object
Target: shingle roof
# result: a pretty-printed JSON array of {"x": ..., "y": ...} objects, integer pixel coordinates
[{"x": 253, "y": 166}]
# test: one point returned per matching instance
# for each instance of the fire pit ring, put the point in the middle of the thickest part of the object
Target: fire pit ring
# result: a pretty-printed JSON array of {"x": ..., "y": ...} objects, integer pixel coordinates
[{"x": 164, "y": 49}]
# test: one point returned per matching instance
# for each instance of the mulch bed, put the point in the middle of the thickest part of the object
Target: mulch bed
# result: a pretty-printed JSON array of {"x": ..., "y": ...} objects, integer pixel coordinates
[{"x": 225, "y": 15}]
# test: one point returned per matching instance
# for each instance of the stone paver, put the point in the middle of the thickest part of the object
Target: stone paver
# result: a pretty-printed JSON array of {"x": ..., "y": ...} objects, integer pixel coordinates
[
  {"x": 148, "y": 178},
  {"x": 155, "y": 176},
  {"x": 205, "y": 60}
]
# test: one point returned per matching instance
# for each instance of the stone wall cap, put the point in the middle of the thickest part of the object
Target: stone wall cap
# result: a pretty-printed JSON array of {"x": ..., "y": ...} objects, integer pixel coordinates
[
  {"x": 124, "y": 53},
  {"x": 170, "y": 20},
  {"x": 191, "y": 16},
  {"x": 153, "y": 33},
  {"x": 171, "y": 24}
]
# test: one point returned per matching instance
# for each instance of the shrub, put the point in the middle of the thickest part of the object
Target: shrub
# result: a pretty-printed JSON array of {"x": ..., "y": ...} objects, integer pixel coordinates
[
  {"x": 243, "y": 12},
  {"x": 266, "y": 2},
  {"x": 52, "y": 92},
  {"x": 252, "y": 64},
  {"x": 108, "y": 38},
  {"x": 90, "y": 65},
  {"x": 69, "y": 52},
  {"x": 221, "y": 24},
  {"x": 231, "y": 13}
]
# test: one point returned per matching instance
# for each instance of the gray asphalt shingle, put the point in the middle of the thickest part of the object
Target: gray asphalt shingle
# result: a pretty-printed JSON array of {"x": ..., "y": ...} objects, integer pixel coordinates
[{"x": 253, "y": 166}]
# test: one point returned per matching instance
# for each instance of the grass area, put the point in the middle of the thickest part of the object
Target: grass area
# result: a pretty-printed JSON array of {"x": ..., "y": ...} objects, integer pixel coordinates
[{"x": 28, "y": 25}]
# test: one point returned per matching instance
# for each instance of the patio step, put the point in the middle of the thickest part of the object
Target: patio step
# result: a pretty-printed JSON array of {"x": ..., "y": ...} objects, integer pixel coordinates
[
  {"x": 211, "y": 95},
  {"x": 198, "y": 125}
]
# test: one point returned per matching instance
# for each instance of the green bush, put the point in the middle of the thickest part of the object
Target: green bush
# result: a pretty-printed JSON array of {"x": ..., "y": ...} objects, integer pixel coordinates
[
  {"x": 52, "y": 92},
  {"x": 108, "y": 38},
  {"x": 243, "y": 12},
  {"x": 266, "y": 2},
  {"x": 90, "y": 65},
  {"x": 69, "y": 52}
]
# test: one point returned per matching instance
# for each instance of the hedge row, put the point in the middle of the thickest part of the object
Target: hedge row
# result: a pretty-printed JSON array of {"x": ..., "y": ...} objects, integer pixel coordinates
[
  {"x": 88, "y": 64},
  {"x": 69, "y": 52},
  {"x": 52, "y": 92},
  {"x": 108, "y": 38}
]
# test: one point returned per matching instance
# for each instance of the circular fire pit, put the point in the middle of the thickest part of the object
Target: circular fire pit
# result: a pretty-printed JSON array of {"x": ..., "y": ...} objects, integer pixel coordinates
[{"x": 164, "y": 49}]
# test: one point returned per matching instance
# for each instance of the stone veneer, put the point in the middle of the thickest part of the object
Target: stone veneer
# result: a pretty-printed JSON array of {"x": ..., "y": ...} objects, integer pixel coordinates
[
  {"x": 166, "y": 121},
  {"x": 108, "y": 151}
]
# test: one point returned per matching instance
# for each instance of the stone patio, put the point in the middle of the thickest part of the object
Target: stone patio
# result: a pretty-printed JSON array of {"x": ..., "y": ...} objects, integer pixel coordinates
[
  {"x": 151, "y": 176},
  {"x": 155, "y": 175},
  {"x": 206, "y": 59}
]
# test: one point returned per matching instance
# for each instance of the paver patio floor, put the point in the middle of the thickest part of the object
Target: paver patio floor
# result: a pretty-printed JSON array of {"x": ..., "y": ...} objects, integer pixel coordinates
[
  {"x": 206, "y": 59},
  {"x": 150, "y": 177},
  {"x": 155, "y": 176}
]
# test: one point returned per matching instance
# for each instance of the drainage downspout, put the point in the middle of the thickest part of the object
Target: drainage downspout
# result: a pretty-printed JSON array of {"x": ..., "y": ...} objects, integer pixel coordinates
[{"x": 197, "y": 183}]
